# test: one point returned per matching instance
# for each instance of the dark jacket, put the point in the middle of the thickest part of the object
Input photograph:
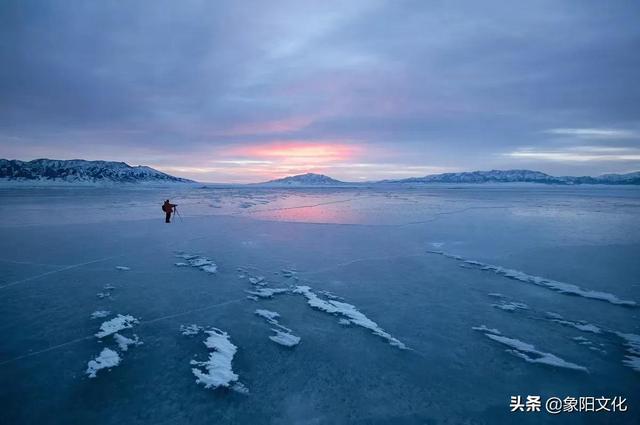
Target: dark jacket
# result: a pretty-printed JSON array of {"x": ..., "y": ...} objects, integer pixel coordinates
[{"x": 168, "y": 207}]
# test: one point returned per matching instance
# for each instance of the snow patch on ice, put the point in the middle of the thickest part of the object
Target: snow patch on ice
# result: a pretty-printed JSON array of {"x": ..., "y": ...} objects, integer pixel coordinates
[
  {"x": 587, "y": 343},
  {"x": 284, "y": 338},
  {"x": 267, "y": 314},
  {"x": 284, "y": 335},
  {"x": 561, "y": 287},
  {"x": 123, "y": 268},
  {"x": 580, "y": 325},
  {"x": 529, "y": 353},
  {"x": 288, "y": 272},
  {"x": 632, "y": 344},
  {"x": 584, "y": 327},
  {"x": 99, "y": 314},
  {"x": 203, "y": 263},
  {"x": 511, "y": 306},
  {"x": 190, "y": 330},
  {"x": 116, "y": 324},
  {"x": 106, "y": 360},
  {"x": 217, "y": 371},
  {"x": 554, "y": 315},
  {"x": 349, "y": 311},
  {"x": 266, "y": 292},
  {"x": 484, "y": 328},
  {"x": 124, "y": 342},
  {"x": 258, "y": 280}
]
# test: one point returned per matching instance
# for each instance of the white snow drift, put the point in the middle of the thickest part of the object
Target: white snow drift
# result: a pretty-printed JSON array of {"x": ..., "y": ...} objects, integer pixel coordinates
[
  {"x": 283, "y": 335},
  {"x": 561, "y": 287},
  {"x": 217, "y": 370},
  {"x": 124, "y": 342},
  {"x": 528, "y": 352},
  {"x": 100, "y": 314},
  {"x": 349, "y": 312},
  {"x": 116, "y": 324},
  {"x": 632, "y": 343},
  {"x": 203, "y": 263},
  {"x": 106, "y": 360}
]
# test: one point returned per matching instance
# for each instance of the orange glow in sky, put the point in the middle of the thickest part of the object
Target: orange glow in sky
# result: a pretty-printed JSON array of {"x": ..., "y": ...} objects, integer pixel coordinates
[{"x": 294, "y": 152}]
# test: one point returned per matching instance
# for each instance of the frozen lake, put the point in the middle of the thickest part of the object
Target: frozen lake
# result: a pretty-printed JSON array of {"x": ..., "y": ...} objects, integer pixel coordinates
[{"x": 403, "y": 306}]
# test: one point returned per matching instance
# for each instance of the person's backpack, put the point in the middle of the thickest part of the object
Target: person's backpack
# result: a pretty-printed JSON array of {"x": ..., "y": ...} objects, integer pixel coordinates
[{"x": 164, "y": 208}]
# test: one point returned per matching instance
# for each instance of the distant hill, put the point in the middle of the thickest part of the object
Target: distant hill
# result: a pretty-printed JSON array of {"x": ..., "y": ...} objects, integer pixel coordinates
[
  {"x": 79, "y": 171},
  {"x": 309, "y": 179},
  {"x": 519, "y": 176},
  {"x": 493, "y": 176}
]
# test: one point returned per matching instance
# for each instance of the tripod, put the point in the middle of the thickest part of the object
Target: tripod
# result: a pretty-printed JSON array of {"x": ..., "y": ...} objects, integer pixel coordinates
[{"x": 175, "y": 209}]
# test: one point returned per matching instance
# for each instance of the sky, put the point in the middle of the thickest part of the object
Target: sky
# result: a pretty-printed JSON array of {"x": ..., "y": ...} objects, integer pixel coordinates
[{"x": 246, "y": 91}]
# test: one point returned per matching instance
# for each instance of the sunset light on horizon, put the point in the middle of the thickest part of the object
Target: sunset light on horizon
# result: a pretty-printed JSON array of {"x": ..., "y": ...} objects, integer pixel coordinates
[{"x": 364, "y": 90}]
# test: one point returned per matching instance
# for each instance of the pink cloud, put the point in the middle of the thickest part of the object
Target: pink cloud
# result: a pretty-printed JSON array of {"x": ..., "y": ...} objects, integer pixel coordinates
[{"x": 286, "y": 125}]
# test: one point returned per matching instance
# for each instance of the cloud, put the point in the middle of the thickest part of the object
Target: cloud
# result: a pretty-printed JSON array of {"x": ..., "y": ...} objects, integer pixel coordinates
[
  {"x": 595, "y": 133},
  {"x": 284, "y": 86},
  {"x": 578, "y": 154}
]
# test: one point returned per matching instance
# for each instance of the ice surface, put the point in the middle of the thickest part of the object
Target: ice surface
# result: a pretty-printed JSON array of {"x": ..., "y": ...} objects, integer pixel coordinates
[
  {"x": 217, "y": 370},
  {"x": 561, "y": 287},
  {"x": 530, "y": 354},
  {"x": 123, "y": 268},
  {"x": 116, "y": 324},
  {"x": 106, "y": 360},
  {"x": 364, "y": 247},
  {"x": 349, "y": 311}
]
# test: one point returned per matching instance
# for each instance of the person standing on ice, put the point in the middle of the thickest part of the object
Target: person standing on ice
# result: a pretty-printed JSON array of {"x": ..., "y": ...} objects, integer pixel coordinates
[{"x": 168, "y": 208}]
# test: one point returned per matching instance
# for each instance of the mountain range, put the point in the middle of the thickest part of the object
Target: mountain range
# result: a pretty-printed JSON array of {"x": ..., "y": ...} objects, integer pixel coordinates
[
  {"x": 79, "y": 171},
  {"x": 493, "y": 176}
]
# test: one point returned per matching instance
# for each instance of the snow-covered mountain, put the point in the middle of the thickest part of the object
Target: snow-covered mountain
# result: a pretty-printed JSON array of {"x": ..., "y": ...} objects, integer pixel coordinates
[
  {"x": 309, "y": 179},
  {"x": 81, "y": 172},
  {"x": 519, "y": 176},
  {"x": 493, "y": 176}
]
